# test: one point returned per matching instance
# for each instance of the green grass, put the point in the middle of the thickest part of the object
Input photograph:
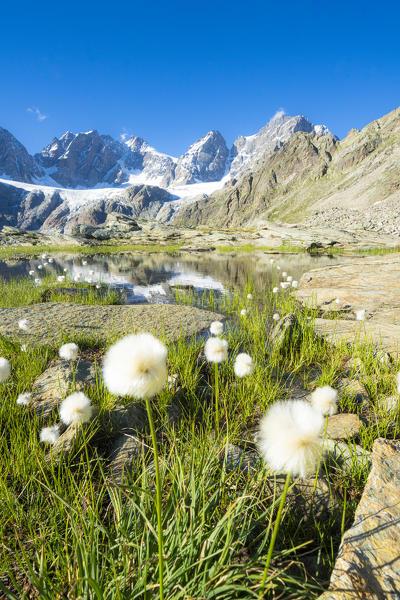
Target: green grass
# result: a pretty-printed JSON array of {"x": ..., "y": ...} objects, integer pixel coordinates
[
  {"x": 25, "y": 251},
  {"x": 250, "y": 248},
  {"x": 68, "y": 532}
]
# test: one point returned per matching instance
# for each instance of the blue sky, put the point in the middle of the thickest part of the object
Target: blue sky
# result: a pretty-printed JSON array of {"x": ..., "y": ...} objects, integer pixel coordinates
[{"x": 171, "y": 71}]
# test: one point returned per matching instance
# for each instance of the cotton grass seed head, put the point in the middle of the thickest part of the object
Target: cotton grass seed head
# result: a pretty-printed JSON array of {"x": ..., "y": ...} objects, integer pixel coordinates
[
  {"x": 40, "y": 267},
  {"x": 275, "y": 290},
  {"x": 271, "y": 260},
  {"x": 295, "y": 283},
  {"x": 276, "y": 316},
  {"x": 61, "y": 278},
  {"x": 23, "y": 324},
  {"x": 49, "y": 435},
  {"x": 244, "y": 365},
  {"x": 284, "y": 274},
  {"x": 51, "y": 260},
  {"x": 289, "y": 278},
  {"x": 249, "y": 296},
  {"x": 38, "y": 281},
  {"x": 24, "y": 399},
  {"x": 5, "y": 369},
  {"x": 76, "y": 408},
  {"x": 68, "y": 351},
  {"x": 84, "y": 262},
  {"x": 136, "y": 366},
  {"x": 31, "y": 272},
  {"x": 360, "y": 315},
  {"x": 324, "y": 399},
  {"x": 243, "y": 312},
  {"x": 216, "y": 350},
  {"x": 290, "y": 438},
  {"x": 216, "y": 327}
]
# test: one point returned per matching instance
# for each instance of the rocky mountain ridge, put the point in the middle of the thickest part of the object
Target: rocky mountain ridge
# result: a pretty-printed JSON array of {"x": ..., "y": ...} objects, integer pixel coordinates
[
  {"x": 313, "y": 174},
  {"x": 90, "y": 159}
]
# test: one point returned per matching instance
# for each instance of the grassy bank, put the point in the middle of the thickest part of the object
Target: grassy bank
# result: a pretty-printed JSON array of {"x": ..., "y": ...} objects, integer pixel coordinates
[
  {"x": 33, "y": 251},
  {"x": 68, "y": 532}
]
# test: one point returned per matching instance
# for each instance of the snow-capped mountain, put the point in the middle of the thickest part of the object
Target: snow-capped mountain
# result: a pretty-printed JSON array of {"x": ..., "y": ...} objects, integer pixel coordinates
[
  {"x": 78, "y": 169},
  {"x": 15, "y": 161},
  {"x": 246, "y": 151}
]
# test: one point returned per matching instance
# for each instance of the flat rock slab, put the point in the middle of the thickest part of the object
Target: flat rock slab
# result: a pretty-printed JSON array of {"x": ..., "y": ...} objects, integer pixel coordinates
[
  {"x": 372, "y": 284},
  {"x": 368, "y": 563},
  {"x": 343, "y": 426},
  {"x": 383, "y": 335},
  {"x": 59, "y": 379},
  {"x": 52, "y": 320}
]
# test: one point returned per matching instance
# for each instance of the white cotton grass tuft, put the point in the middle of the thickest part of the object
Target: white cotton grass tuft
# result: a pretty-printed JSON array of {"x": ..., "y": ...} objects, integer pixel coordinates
[
  {"x": 68, "y": 351},
  {"x": 337, "y": 301},
  {"x": 216, "y": 327},
  {"x": 284, "y": 274},
  {"x": 243, "y": 312},
  {"x": 216, "y": 350},
  {"x": 136, "y": 366},
  {"x": 24, "y": 399},
  {"x": 98, "y": 286},
  {"x": 289, "y": 278},
  {"x": 40, "y": 266},
  {"x": 284, "y": 284},
  {"x": 24, "y": 348},
  {"x": 276, "y": 316},
  {"x": 360, "y": 315},
  {"x": 278, "y": 267},
  {"x": 271, "y": 260},
  {"x": 44, "y": 255},
  {"x": 31, "y": 272},
  {"x": 49, "y": 435},
  {"x": 65, "y": 270},
  {"x": 295, "y": 283},
  {"x": 84, "y": 262},
  {"x": 23, "y": 324},
  {"x": 275, "y": 290},
  {"x": 38, "y": 281},
  {"x": 5, "y": 369},
  {"x": 51, "y": 260},
  {"x": 76, "y": 408},
  {"x": 324, "y": 399},
  {"x": 290, "y": 438},
  {"x": 249, "y": 296},
  {"x": 61, "y": 278},
  {"x": 244, "y": 365}
]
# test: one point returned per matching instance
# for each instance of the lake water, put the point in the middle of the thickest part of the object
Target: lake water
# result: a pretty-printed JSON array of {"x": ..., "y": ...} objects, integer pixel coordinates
[{"x": 152, "y": 278}]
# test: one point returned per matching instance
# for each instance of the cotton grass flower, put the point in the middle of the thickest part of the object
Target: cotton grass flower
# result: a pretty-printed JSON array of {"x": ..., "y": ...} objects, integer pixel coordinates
[
  {"x": 40, "y": 267},
  {"x": 289, "y": 278},
  {"x": 284, "y": 274},
  {"x": 295, "y": 283},
  {"x": 24, "y": 399},
  {"x": 275, "y": 290},
  {"x": 276, "y": 316},
  {"x": 76, "y": 408},
  {"x": 51, "y": 260},
  {"x": 271, "y": 260},
  {"x": 290, "y": 441},
  {"x": 65, "y": 270},
  {"x": 285, "y": 284},
  {"x": 337, "y": 301},
  {"x": 243, "y": 312},
  {"x": 38, "y": 281},
  {"x": 249, "y": 296},
  {"x": 136, "y": 366},
  {"x": 31, "y": 273},
  {"x": 49, "y": 435},
  {"x": 244, "y": 365},
  {"x": 44, "y": 255},
  {"x": 5, "y": 369},
  {"x": 84, "y": 262},
  {"x": 360, "y": 315},
  {"x": 324, "y": 399},
  {"x": 98, "y": 286},
  {"x": 290, "y": 438},
  {"x": 278, "y": 267},
  {"x": 216, "y": 350},
  {"x": 23, "y": 324},
  {"x": 216, "y": 328},
  {"x": 68, "y": 351},
  {"x": 61, "y": 278}
]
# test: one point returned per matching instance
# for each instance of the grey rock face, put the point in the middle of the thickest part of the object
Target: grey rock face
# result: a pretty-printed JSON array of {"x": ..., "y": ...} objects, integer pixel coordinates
[
  {"x": 246, "y": 151},
  {"x": 83, "y": 159},
  {"x": 368, "y": 563},
  {"x": 204, "y": 161},
  {"x": 116, "y": 225},
  {"x": 15, "y": 161},
  {"x": 286, "y": 332}
]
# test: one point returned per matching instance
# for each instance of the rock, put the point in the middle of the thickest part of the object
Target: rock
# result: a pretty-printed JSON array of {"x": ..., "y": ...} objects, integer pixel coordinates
[
  {"x": 343, "y": 426},
  {"x": 286, "y": 332},
  {"x": 353, "y": 389},
  {"x": 59, "y": 380},
  {"x": 368, "y": 562},
  {"x": 237, "y": 458},
  {"x": 124, "y": 456},
  {"x": 50, "y": 320},
  {"x": 355, "y": 365},
  {"x": 128, "y": 419},
  {"x": 388, "y": 404},
  {"x": 70, "y": 439},
  {"x": 346, "y": 455},
  {"x": 307, "y": 496},
  {"x": 177, "y": 406}
]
